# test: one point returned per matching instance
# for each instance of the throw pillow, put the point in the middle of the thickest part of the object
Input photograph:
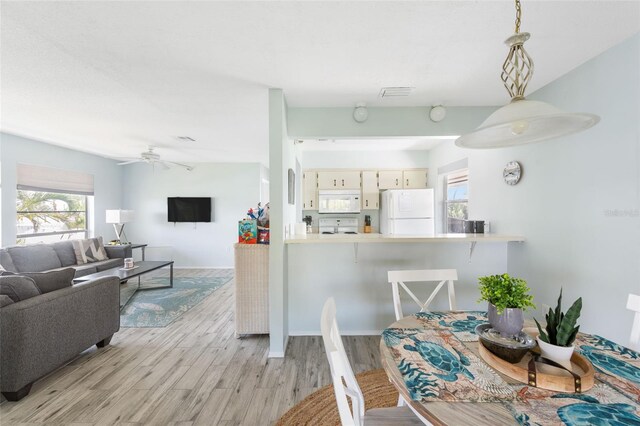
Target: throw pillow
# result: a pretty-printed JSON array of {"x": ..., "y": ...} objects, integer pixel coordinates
[
  {"x": 52, "y": 280},
  {"x": 18, "y": 288},
  {"x": 5, "y": 300},
  {"x": 91, "y": 250}
]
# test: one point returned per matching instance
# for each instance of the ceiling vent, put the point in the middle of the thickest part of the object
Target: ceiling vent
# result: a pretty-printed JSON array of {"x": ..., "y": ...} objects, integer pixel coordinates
[
  {"x": 395, "y": 92},
  {"x": 186, "y": 139}
]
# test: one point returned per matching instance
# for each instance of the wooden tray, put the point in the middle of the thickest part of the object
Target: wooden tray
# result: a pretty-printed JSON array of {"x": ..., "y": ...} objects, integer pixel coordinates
[{"x": 547, "y": 377}]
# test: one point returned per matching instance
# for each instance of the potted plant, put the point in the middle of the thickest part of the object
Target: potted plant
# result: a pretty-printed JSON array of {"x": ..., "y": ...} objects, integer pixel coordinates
[
  {"x": 556, "y": 340},
  {"x": 508, "y": 297}
]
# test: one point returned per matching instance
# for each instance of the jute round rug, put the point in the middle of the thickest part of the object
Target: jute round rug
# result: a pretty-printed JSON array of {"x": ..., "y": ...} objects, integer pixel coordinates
[{"x": 320, "y": 407}]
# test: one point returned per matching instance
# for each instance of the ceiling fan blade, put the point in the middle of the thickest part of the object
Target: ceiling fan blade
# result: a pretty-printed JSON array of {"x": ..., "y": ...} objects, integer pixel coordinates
[
  {"x": 189, "y": 168},
  {"x": 164, "y": 164},
  {"x": 129, "y": 162}
]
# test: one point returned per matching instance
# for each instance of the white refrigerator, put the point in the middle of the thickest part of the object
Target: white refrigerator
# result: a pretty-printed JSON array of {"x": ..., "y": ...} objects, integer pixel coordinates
[{"x": 407, "y": 212}]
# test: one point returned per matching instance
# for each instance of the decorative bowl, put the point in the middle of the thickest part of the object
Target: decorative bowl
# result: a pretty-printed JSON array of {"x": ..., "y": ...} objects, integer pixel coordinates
[{"x": 511, "y": 349}]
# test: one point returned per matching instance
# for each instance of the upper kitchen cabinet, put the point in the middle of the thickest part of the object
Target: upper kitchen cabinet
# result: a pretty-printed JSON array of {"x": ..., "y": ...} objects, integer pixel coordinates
[
  {"x": 414, "y": 179},
  {"x": 370, "y": 192},
  {"x": 343, "y": 179},
  {"x": 309, "y": 191},
  {"x": 390, "y": 179}
]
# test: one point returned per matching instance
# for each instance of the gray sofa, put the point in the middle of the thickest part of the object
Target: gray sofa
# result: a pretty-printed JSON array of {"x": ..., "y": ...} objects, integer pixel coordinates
[
  {"x": 47, "y": 257},
  {"x": 42, "y": 333},
  {"x": 50, "y": 326}
]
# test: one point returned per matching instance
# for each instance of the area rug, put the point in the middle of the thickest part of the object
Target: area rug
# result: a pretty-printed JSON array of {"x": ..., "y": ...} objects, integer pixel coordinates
[
  {"x": 159, "y": 308},
  {"x": 320, "y": 407}
]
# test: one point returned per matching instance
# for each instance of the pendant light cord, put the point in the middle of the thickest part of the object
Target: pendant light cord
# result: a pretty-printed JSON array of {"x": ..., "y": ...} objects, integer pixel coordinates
[{"x": 518, "y": 13}]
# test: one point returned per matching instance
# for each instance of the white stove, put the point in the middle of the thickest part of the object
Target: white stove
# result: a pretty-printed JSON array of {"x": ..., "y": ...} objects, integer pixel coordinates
[{"x": 338, "y": 225}]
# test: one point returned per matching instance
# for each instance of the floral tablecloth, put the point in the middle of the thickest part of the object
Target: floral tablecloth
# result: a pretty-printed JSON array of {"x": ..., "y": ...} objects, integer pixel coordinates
[{"x": 436, "y": 365}]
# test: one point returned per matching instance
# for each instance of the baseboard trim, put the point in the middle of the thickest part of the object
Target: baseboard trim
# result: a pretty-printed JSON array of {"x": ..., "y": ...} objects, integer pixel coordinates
[
  {"x": 278, "y": 354},
  {"x": 343, "y": 333}
]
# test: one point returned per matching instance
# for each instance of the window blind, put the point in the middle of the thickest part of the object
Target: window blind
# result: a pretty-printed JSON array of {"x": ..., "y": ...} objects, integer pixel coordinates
[{"x": 41, "y": 178}]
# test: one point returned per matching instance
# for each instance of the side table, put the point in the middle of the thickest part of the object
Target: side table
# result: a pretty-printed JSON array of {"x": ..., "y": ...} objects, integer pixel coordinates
[{"x": 140, "y": 246}]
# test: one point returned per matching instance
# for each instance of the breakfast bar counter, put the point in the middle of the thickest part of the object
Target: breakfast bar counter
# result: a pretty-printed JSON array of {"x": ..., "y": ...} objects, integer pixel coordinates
[
  {"x": 352, "y": 268},
  {"x": 379, "y": 238}
]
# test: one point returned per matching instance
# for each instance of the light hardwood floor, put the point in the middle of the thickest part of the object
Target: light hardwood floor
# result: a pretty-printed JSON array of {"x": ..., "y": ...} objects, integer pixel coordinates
[{"x": 192, "y": 372}]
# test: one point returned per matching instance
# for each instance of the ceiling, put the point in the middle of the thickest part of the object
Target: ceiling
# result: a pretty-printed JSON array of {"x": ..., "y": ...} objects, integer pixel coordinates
[{"x": 112, "y": 78}]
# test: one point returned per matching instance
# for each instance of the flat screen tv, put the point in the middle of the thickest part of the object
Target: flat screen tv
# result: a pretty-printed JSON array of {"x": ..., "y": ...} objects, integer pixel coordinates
[{"x": 189, "y": 209}]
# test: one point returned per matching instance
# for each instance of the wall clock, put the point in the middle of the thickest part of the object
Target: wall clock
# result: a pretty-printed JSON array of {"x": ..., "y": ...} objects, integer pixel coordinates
[{"x": 512, "y": 173}]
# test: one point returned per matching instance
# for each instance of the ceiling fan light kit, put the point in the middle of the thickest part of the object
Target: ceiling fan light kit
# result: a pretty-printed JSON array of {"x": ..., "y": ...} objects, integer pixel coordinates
[
  {"x": 152, "y": 158},
  {"x": 521, "y": 121}
]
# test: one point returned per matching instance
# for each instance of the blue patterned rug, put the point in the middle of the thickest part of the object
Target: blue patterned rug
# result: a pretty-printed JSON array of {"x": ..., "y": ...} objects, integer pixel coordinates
[{"x": 159, "y": 308}]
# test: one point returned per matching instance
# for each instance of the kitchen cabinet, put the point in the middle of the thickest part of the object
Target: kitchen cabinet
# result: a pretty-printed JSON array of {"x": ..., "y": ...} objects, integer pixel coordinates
[
  {"x": 343, "y": 179},
  {"x": 390, "y": 179},
  {"x": 414, "y": 179},
  {"x": 370, "y": 191},
  {"x": 309, "y": 191}
]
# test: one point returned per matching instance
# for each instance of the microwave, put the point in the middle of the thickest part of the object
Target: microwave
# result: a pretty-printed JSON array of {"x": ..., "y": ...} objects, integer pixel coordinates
[{"x": 339, "y": 201}]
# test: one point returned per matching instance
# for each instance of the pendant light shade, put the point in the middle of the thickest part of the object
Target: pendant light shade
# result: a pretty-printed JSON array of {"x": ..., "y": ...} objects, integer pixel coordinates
[{"x": 522, "y": 122}]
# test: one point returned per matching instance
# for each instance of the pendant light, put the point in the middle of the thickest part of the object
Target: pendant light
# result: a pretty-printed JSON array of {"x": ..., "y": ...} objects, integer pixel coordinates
[{"x": 522, "y": 121}]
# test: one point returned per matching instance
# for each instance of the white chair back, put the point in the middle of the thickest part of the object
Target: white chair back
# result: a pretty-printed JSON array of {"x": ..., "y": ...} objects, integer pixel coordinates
[
  {"x": 341, "y": 369},
  {"x": 399, "y": 278},
  {"x": 633, "y": 304}
]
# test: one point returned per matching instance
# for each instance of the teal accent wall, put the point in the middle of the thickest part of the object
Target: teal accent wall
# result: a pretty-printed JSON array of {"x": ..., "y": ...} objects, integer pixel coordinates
[
  {"x": 280, "y": 151},
  {"x": 578, "y": 202},
  {"x": 405, "y": 121}
]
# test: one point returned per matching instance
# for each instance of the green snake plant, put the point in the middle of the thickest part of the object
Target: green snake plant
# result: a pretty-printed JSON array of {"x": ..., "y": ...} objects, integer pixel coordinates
[{"x": 561, "y": 329}]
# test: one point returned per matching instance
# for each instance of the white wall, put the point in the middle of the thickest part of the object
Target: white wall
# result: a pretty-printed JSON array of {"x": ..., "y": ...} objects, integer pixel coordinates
[
  {"x": 107, "y": 179},
  {"x": 568, "y": 186},
  {"x": 234, "y": 188}
]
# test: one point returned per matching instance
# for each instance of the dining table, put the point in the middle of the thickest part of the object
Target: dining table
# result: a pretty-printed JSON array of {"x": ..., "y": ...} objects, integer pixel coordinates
[{"x": 433, "y": 360}]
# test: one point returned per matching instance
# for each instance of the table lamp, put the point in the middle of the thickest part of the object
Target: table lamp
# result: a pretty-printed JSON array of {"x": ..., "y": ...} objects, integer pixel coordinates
[{"x": 119, "y": 218}]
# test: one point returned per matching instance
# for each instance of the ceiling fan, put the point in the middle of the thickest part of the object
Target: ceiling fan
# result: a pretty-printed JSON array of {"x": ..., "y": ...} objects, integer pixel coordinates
[{"x": 152, "y": 158}]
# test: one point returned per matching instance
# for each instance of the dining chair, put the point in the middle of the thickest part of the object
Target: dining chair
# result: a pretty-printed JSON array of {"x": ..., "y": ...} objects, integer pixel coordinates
[
  {"x": 399, "y": 278},
  {"x": 349, "y": 389},
  {"x": 633, "y": 304}
]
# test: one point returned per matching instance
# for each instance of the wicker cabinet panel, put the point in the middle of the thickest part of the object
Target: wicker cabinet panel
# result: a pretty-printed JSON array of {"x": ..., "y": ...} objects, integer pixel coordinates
[{"x": 252, "y": 288}]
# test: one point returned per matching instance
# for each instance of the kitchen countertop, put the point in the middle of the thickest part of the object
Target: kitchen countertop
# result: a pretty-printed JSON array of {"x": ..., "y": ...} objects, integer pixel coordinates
[{"x": 379, "y": 238}]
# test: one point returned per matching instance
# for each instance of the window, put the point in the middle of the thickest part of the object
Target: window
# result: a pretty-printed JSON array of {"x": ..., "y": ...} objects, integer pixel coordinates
[
  {"x": 50, "y": 216},
  {"x": 456, "y": 199},
  {"x": 52, "y": 204}
]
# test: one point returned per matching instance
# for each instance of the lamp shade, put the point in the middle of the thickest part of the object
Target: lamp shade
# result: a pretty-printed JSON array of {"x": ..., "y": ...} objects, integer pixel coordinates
[
  {"x": 119, "y": 216},
  {"x": 522, "y": 122}
]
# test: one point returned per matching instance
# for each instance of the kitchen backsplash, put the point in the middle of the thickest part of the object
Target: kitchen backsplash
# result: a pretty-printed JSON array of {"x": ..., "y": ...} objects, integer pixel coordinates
[{"x": 375, "y": 216}]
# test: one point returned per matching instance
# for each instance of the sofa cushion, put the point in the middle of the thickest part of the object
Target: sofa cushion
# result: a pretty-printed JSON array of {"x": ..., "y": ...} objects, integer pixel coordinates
[
  {"x": 65, "y": 252},
  {"x": 87, "y": 251},
  {"x": 34, "y": 258},
  {"x": 5, "y": 260},
  {"x": 82, "y": 270},
  {"x": 52, "y": 280},
  {"x": 5, "y": 300},
  {"x": 18, "y": 288}
]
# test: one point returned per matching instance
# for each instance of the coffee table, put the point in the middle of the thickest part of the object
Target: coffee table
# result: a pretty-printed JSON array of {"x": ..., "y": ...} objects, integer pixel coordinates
[{"x": 125, "y": 275}]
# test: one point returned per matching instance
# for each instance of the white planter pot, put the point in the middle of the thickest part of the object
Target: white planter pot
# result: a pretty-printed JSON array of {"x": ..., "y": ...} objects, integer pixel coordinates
[{"x": 560, "y": 354}]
